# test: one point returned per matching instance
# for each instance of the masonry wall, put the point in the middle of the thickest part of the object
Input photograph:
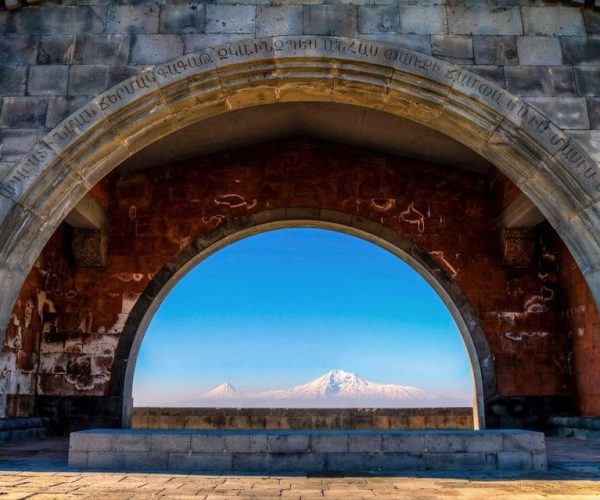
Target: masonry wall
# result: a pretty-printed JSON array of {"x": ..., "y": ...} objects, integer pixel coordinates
[
  {"x": 56, "y": 57},
  {"x": 158, "y": 212}
]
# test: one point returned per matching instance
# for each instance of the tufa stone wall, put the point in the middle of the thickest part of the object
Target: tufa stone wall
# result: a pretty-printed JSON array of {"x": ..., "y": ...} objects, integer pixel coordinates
[{"x": 157, "y": 213}]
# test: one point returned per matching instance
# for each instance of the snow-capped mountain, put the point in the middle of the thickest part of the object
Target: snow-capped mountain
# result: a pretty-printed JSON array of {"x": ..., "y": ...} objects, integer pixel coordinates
[
  {"x": 337, "y": 388},
  {"x": 347, "y": 385},
  {"x": 224, "y": 391}
]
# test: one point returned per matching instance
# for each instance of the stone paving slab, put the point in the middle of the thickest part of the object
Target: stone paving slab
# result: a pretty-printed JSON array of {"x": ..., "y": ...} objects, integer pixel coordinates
[{"x": 39, "y": 470}]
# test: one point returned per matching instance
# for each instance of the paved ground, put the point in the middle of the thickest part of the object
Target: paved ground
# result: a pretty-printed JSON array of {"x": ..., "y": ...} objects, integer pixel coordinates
[{"x": 38, "y": 470}]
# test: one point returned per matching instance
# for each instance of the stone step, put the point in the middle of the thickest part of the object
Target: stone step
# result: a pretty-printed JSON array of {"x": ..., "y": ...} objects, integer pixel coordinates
[
  {"x": 23, "y": 434},
  {"x": 587, "y": 428},
  {"x": 308, "y": 451},
  {"x": 7, "y": 424}
]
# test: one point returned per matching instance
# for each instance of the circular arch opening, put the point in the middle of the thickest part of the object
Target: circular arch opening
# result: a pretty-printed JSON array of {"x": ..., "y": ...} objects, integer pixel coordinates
[{"x": 146, "y": 306}]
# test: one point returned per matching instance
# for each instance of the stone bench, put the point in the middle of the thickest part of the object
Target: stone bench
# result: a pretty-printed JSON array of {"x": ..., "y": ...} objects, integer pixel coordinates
[
  {"x": 308, "y": 451},
  {"x": 587, "y": 428}
]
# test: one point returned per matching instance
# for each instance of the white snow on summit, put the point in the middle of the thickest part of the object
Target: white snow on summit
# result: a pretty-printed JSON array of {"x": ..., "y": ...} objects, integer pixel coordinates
[{"x": 337, "y": 388}]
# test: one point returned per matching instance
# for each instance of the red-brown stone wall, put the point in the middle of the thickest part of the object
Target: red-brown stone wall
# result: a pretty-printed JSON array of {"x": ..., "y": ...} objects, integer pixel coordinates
[{"x": 156, "y": 213}]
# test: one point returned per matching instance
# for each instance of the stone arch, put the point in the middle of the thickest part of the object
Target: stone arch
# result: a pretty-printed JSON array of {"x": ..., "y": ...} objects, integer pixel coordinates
[
  {"x": 548, "y": 166},
  {"x": 478, "y": 351}
]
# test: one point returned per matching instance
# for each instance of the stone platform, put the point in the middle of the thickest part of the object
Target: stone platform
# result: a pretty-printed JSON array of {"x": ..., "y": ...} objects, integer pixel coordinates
[{"x": 309, "y": 451}]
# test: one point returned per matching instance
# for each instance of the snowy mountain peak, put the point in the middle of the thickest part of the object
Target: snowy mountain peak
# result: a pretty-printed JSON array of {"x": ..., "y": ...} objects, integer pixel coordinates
[{"x": 225, "y": 390}]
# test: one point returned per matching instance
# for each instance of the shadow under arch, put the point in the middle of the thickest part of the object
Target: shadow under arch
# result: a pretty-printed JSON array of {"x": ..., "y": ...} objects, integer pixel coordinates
[{"x": 482, "y": 364}]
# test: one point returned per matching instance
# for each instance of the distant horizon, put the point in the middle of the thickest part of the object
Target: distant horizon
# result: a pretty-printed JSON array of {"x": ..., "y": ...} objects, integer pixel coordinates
[{"x": 280, "y": 309}]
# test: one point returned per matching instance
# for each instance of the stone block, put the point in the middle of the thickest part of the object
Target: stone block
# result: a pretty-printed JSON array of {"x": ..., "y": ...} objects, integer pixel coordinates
[
  {"x": 492, "y": 73},
  {"x": 563, "y": 81},
  {"x": 78, "y": 459},
  {"x": 299, "y": 443},
  {"x": 481, "y": 443},
  {"x": 48, "y": 80},
  {"x": 379, "y": 19},
  {"x": 566, "y": 112},
  {"x": 299, "y": 462},
  {"x": 198, "y": 42},
  {"x": 50, "y": 19},
  {"x": 60, "y": 49},
  {"x": 587, "y": 79},
  {"x": 443, "y": 443},
  {"x": 593, "y": 110},
  {"x": 133, "y": 19},
  {"x": 180, "y": 442},
  {"x": 130, "y": 442},
  {"x": 250, "y": 462},
  {"x": 149, "y": 461},
  {"x": 365, "y": 443},
  {"x": 106, "y": 49},
  {"x": 209, "y": 462},
  {"x": 591, "y": 20},
  {"x": 589, "y": 140},
  {"x": 246, "y": 443},
  {"x": 16, "y": 142},
  {"x": 330, "y": 20},
  {"x": 423, "y": 20},
  {"x": 121, "y": 72},
  {"x": 182, "y": 18},
  {"x": 453, "y": 48},
  {"x": 539, "y": 461},
  {"x": 13, "y": 80},
  {"x": 90, "y": 441},
  {"x": 524, "y": 441},
  {"x": 495, "y": 49},
  {"x": 539, "y": 50},
  {"x": 88, "y": 79},
  {"x": 278, "y": 20},
  {"x": 329, "y": 443},
  {"x": 460, "y": 461},
  {"x": 581, "y": 51},
  {"x": 514, "y": 460},
  {"x": 208, "y": 443},
  {"x": 549, "y": 20},
  {"x": 405, "y": 443},
  {"x": 107, "y": 461},
  {"x": 18, "y": 49},
  {"x": 23, "y": 112},
  {"x": 153, "y": 49},
  {"x": 230, "y": 18},
  {"x": 484, "y": 20},
  {"x": 528, "y": 80},
  {"x": 419, "y": 43}
]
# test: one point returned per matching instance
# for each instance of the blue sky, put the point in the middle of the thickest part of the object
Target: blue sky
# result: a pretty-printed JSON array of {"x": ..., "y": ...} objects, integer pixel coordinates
[{"x": 283, "y": 307}]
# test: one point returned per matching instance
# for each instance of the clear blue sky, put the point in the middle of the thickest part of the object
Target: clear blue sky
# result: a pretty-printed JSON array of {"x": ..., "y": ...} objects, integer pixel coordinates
[{"x": 281, "y": 308}]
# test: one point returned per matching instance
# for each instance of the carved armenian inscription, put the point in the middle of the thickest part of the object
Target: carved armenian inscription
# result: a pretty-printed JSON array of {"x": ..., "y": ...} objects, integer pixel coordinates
[{"x": 532, "y": 122}]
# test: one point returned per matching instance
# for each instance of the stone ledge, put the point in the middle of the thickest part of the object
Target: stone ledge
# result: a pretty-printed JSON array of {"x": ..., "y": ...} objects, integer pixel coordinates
[{"x": 308, "y": 451}]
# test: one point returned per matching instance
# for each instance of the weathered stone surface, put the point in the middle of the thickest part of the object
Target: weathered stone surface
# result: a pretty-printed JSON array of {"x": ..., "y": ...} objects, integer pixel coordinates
[
  {"x": 182, "y": 19},
  {"x": 88, "y": 79},
  {"x": 552, "y": 21},
  {"x": 456, "y": 49},
  {"x": 591, "y": 20},
  {"x": 484, "y": 20},
  {"x": 90, "y": 247},
  {"x": 48, "y": 80},
  {"x": 133, "y": 19},
  {"x": 538, "y": 50},
  {"x": 581, "y": 50},
  {"x": 60, "y": 49},
  {"x": 23, "y": 112},
  {"x": 230, "y": 18},
  {"x": 18, "y": 49},
  {"x": 50, "y": 19},
  {"x": 13, "y": 80},
  {"x": 279, "y": 19},
  {"x": 587, "y": 81},
  {"x": 528, "y": 80},
  {"x": 381, "y": 19},
  {"x": 106, "y": 49},
  {"x": 330, "y": 20},
  {"x": 566, "y": 112},
  {"x": 153, "y": 49},
  {"x": 423, "y": 20},
  {"x": 593, "y": 109},
  {"x": 495, "y": 49},
  {"x": 15, "y": 143}
]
